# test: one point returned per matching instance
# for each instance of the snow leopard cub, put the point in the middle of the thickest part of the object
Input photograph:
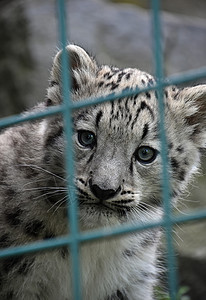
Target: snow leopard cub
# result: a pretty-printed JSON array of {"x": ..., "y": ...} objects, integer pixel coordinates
[{"x": 117, "y": 175}]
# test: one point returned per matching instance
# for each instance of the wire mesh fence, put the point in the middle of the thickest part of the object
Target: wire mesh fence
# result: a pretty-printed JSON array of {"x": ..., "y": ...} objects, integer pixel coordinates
[{"x": 74, "y": 239}]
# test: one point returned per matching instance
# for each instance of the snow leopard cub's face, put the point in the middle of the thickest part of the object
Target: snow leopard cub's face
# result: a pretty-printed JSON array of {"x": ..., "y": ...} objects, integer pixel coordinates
[{"x": 117, "y": 147}]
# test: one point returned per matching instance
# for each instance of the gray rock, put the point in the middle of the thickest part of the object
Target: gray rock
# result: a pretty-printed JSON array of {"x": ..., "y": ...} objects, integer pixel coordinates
[
  {"x": 115, "y": 34},
  {"x": 16, "y": 63}
]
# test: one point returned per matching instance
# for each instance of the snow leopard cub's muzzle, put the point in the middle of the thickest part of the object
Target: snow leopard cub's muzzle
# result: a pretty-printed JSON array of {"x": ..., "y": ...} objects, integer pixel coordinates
[{"x": 103, "y": 193}]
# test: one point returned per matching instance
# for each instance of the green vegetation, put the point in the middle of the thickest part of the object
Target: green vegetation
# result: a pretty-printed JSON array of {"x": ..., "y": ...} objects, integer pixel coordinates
[
  {"x": 140, "y": 3},
  {"x": 162, "y": 295}
]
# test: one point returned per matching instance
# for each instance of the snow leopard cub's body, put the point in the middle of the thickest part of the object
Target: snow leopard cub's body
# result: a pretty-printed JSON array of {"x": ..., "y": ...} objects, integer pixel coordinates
[{"x": 118, "y": 166}]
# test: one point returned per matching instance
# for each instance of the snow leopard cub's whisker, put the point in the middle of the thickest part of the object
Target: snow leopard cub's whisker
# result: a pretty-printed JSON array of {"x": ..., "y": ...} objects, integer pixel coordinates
[
  {"x": 58, "y": 204},
  {"x": 43, "y": 188},
  {"x": 42, "y": 196},
  {"x": 43, "y": 170},
  {"x": 140, "y": 211}
]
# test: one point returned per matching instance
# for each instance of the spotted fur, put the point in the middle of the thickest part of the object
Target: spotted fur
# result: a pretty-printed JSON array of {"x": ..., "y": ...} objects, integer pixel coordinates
[{"x": 117, "y": 178}]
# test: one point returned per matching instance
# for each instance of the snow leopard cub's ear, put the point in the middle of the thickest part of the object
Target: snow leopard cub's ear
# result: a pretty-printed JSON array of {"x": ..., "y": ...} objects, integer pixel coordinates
[
  {"x": 82, "y": 67},
  {"x": 190, "y": 104}
]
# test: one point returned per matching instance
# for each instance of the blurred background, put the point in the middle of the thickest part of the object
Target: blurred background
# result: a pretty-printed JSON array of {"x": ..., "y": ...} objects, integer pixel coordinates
[{"x": 116, "y": 32}]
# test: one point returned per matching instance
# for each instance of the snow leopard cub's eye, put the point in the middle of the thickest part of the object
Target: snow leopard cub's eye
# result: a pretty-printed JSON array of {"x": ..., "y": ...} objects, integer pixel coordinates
[
  {"x": 145, "y": 154},
  {"x": 86, "y": 138}
]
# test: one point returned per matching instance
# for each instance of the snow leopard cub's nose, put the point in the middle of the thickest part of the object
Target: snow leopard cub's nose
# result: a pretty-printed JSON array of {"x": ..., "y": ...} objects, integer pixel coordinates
[{"x": 103, "y": 194}]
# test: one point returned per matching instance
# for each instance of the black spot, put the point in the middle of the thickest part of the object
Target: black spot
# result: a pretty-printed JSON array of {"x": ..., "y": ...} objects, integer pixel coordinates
[
  {"x": 34, "y": 228},
  {"x": 176, "y": 96},
  {"x": 195, "y": 131},
  {"x": 4, "y": 240},
  {"x": 166, "y": 94},
  {"x": 131, "y": 167},
  {"x": 148, "y": 95},
  {"x": 143, "y": 106},
  {"x": 174, "y": 164},
  {"x": 53, "y": 83},
  {"x": 174, "y": 194},
  {"x": 47, "y": 158},
  {"x": 145, "y": 131},
  {"x": 24, "y": 133},
  {"x": 100, "y": 84},
  {"x": 114, "y": 86},
  {"x": 120, "y": 296},
  {"x": 49, "y": 102},
  {"x": 51, "y": 139},
  {"x": 135, "y": 98},
  {"x": 13, "y": 217},
  {"x": 117, "y": 115},
  {"x": 143, "y": 81},
  {"x": 30, "y": 172},
  {"x": 10, "y": 263},
  {"x": 110, "y": 76},
  {"x": 106, "y": 74},
  {"x": 128, "y": 76},
  {"x": 151, "y": 81},
  {"x": 49, "y": 235},
  {"x": 64, "y": 252},
  {"x": 90, "y": 158},
  {"x": 181, "y": 175},
  {"x": 82, "y": 192},
  {"x": 98, "y": 118},
  {"x": 10, "y": 192},
  {"x": 112, "y": 108},
  {"x": 130, "y": 118},
  {"x": 128, "y": 253},
  {"x": 81, "y": 116},
  {"x": 120, "y": 75},
  {"x": 148, "y": 241},
  {"x": 26, "y": 266},
  {"x": 126, "y": 192},
  {"x": 180, "y": 149},
  {"x": 202, "y": 151},
  {"x": 186, "y": 162},
  {"x": 170, "y": 146},
  {"x": 82, "y": 181}
]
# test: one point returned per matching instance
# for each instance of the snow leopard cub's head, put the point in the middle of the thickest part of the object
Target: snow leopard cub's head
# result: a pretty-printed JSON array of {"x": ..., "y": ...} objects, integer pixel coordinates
[{"x": 117, "y": 146}]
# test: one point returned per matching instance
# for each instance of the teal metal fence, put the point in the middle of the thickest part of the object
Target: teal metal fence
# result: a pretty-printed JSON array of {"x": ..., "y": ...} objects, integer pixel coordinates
[{"x": 75, "y": 238}]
